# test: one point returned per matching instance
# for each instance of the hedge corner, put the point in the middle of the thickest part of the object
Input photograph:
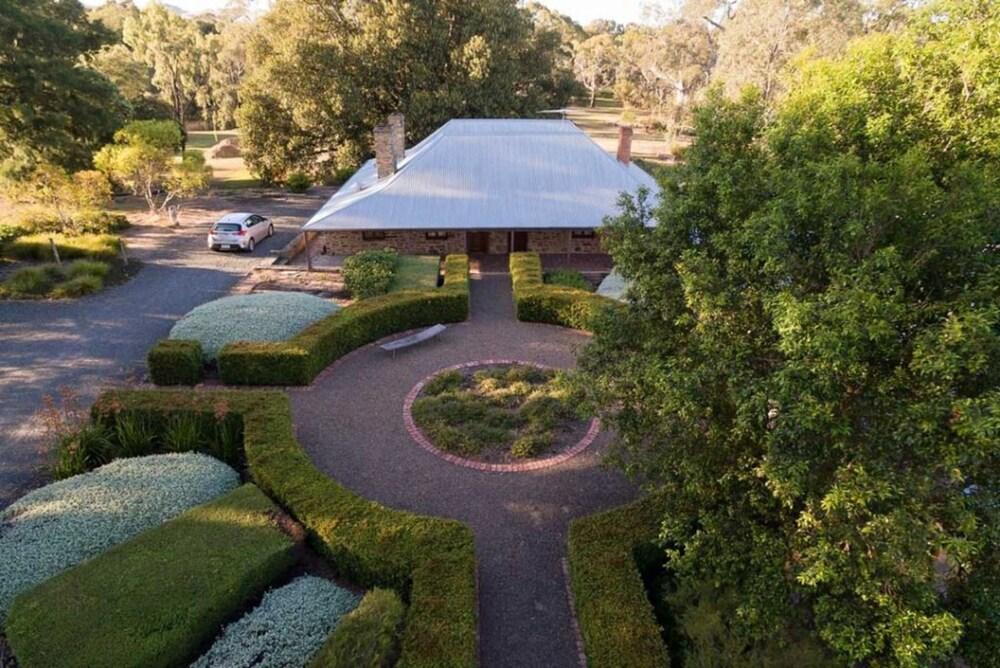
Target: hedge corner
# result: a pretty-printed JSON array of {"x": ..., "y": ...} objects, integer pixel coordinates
[{"x": 175, "y": 362}]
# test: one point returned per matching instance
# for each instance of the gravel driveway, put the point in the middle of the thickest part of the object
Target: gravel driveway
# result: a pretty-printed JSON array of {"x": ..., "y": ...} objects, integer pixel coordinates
[{"x": 90, "y": 342}]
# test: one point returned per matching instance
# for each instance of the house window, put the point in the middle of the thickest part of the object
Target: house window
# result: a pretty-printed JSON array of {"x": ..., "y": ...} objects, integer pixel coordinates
[
  {"x": 584, "y": 234},
  {"x": 436, "y": 236},
  {"x": 372, "y": 235}
]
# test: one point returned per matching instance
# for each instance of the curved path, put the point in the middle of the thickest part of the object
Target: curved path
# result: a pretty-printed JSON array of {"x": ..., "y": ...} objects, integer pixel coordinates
[{"x": 350, "y": 420}]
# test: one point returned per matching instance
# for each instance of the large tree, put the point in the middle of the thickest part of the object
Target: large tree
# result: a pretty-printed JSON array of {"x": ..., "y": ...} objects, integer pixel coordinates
[
  {"x": 595, "y": 63},
  {"x": 809, "y": 370},
  {"x": 322, "y": 74},
  {"x": 51, "y": 108}
]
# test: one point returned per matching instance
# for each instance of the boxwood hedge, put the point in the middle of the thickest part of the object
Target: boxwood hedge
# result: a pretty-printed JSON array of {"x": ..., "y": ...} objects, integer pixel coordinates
[
  {"x": 175, "y": 362},
  {"x": 429, "y": 561},
  {"x": 298, "y": 360},
  {"x": 535, "y": 301},
  {"x": 615, "y": 616},
  {"x": 367, "y": 637}
]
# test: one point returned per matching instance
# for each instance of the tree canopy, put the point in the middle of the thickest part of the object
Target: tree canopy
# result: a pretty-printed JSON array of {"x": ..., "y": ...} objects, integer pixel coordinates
[
  {"x": 810, "y": 366},
  {"x": 321, "y": 75}
]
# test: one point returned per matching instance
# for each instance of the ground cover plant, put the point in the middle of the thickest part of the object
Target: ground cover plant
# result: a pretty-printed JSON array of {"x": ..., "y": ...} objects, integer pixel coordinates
[
  {"x": 494, "y": 412},
  {"x": 261, "y": 317},
  {"x": 160, "y": 597},
  {"x": 286, "y": 629},
  {"x": 70, "y": 247},
  {"x": 415, "y": 272},
  {"x": 67, "y": 522},
  {"x": 56, "y": 281}
]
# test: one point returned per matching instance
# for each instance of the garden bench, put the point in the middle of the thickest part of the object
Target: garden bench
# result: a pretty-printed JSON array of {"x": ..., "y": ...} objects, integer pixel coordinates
[{"x": 413, "y": 339}]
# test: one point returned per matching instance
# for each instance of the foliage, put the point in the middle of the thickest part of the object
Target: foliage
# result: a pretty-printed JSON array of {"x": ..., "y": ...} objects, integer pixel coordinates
[
  {"x": 155, "y": 600},
  {"x": 9, "y": 233},
  {"x": 554, "y": 304},
  {"x": 56, "y": 281},
  {"x": 67, "y": 522},
  {"x": 298, "y": 182},
  {"x": 287, "y": 628},
  {"x": 432, "y": 61},
  {"x": 176, "y": 362},
  {"x": 808, "y": 366},
  {"x": 368, "y": 636},
  {"x": 416, "y": 272},
  {"x": 429, "y": 561},
  {"x": 516, "y": 408},
  {"x": 298, "y": 360},
  {"x": 51, "y": 110},
  {"x": 68, "y": 196},
  {"x": 271, "y": 316},
  {"x": 37, "y": 247},
  {"x": 369, "y": 273},
  {"x": 595, "y": 63},
  {"x": 163, "y": 135},
  {"x": 568, "y": 278},
  {"x": 615, "y": 616}
]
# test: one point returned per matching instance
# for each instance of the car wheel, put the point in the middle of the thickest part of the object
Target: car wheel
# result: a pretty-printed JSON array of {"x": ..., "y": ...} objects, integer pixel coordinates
[
  {"x": 270, "y": 231},
  {"x": 250, "y": 245}
]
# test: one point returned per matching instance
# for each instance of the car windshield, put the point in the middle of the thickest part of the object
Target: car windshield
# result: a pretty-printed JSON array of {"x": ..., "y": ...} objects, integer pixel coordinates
[{"x": 227, "y": 227}]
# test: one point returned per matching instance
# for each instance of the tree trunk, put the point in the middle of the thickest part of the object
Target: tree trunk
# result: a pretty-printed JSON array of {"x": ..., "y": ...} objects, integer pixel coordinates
[{"x": 593, "y": 96}]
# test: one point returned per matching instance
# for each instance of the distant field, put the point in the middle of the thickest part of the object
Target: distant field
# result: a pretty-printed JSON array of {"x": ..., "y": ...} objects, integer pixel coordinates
[
  {"x": 601, "y": 123},
  {"x": 227, "y": 172}
]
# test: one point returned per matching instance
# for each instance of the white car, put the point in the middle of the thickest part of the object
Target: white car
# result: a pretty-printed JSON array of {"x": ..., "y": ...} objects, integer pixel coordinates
[{"x": 239, "y": 231}]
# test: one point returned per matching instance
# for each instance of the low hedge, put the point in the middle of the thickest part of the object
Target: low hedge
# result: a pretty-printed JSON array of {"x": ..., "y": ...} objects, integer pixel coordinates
[
  {"x": 298, "y": 360},
  {"x": 37, "y": 247},
  {"x": 616, "y": 619},
  {"x": 368, "y": 636},
  {"x": 536, "y": 301},
  {"x": 158, "y": 598},
  {"x": 175, "y": 362},
  {"x": 429, "y": 561}
]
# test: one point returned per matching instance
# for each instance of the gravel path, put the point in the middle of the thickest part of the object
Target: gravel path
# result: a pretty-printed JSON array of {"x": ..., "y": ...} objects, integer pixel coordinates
[
  {"x": 350, "y": 420},
  {"x": 86, "y": 343}
]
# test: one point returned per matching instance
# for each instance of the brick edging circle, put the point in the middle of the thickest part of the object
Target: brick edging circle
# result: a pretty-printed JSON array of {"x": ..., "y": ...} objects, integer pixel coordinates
[{"x": 424, "y": 442}]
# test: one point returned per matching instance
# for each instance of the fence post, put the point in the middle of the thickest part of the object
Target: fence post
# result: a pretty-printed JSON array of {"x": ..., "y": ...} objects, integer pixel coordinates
[
  {"x": 121, "y": 247},
  {"x": 55, "y": 251}
]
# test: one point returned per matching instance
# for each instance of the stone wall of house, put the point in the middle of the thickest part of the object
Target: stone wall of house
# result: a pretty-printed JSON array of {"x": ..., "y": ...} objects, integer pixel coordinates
[
  {"x": 586, "y": 245},
  {"x": 499, "y": 242},
  {"x": 406, "y": 241},
  {"x": 550, "y": 241}
]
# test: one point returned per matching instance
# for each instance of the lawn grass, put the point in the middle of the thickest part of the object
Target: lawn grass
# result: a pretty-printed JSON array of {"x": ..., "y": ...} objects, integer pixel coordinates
[
  {"x": 158, "y": 599},
  {"x": 199, "y": 140},
  {"x": 415, "y": 272}
]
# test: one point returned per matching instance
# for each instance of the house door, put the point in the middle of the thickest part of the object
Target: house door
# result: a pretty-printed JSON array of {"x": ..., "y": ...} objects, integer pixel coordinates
[
  {"x": 520, "y": 242},
  {"x": 478, "y": 242}
]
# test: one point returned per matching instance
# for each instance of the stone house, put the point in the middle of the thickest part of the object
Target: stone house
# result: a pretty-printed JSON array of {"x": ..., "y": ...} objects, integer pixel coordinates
[{"x": 480, "y": 186}]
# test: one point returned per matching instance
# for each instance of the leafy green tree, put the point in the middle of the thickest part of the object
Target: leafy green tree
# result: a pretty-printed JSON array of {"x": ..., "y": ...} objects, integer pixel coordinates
[
  {"x": 595, "y": 63},
  {"x": 129, "y": 75},
  {"x": 321, "y": 75},
  {"x": 810, "y": 367},
  {"x": 60, "y": 192},
  {"x": 51, "y": 110}
]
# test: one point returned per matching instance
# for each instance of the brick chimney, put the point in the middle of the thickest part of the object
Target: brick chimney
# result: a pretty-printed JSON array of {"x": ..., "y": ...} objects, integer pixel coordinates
[
  {"x": 624, "y": 144},
  {"x": 397, "y": 126},
  {"x": 385, "y": 159}
]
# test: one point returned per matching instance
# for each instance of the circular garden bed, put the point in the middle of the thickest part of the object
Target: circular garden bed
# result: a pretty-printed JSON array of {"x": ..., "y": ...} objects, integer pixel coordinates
[{"x": 499, "y": 415}]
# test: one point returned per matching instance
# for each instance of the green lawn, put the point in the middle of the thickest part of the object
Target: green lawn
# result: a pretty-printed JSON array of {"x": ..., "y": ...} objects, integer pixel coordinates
[
  {"x": 200, "y": 140},
  {"x": 157, "y": 599},
  {"x": 415, "y": 272}
]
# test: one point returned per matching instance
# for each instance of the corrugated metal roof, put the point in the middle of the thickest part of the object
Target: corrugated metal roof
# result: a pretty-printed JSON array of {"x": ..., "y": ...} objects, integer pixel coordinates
[{"x": 488, "y": 174}]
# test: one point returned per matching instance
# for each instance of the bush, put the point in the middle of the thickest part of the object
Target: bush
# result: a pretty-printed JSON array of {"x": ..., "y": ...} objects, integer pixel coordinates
[
  {"x": 369, "y": 273},
  {"x": 81, "y": 285},
  {"x": 29, "y": 281},
  {"x": 67, "y": 522},
  {"x": 271, "y": 316},
  {"x": 57, "y": 281},
  {"x": 553, "y": 304},
  {"x": 298, "y": 182},
  {"x": 567, "y": 278},
  {"x": 96, "y": 221},
  {"x": 368, "y": 637},
  {"x": 286, "y": 629},
  {"x": 157, "y": 599},
  {"x": 430, "y": 561},
  {"x": 87, "y": 268},
  {"x": 9, "y": 233},
  {"x": 298, "y": 360},
  {"x": 37, "y": 247},
  {"x": 615, "y": 616},
  {"x": 175, "y": 362}
]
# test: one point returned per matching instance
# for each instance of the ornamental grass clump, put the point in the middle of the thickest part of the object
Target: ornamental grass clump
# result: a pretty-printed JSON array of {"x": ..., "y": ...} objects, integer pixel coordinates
[
  {"x": 65, "y": 523},
  {"x": 288, "y": 627},
  {"x": 268, "y": 316}
]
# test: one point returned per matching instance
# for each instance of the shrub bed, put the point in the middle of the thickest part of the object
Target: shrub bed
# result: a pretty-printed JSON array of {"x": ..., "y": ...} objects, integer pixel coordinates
[
  {"x": 157, "y": 599},
  {"x": 286, "y": 629},
  {"x": 534, "y": 301},
  {"x": 616, "y": 619},
  {"x": 430, "y": 561},
  {"x": 56, "y": 281},
  {"x": 368, "y": 637},
  {"x": 176, "y": 362},
  {"x": 65, "y": 523},
  {"x": 37, "y": 247},
  {"x": 262, "y": 317},
  {"x": 298, "y": 360},
  {"x": 369, "y": 273}
]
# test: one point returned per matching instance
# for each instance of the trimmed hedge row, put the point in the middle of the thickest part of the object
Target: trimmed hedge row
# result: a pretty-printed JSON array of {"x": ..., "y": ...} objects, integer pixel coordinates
[
  {"x": 368, "y": 636},
  {"x": 534, "y": 301},
  {"x": 158, "y": 598},
  {"x": 175, "y": 362},
  {"x": 298, "y": 360},
  {"x": 616, "y": 618},
  {"x": 430, "y": 561}
]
